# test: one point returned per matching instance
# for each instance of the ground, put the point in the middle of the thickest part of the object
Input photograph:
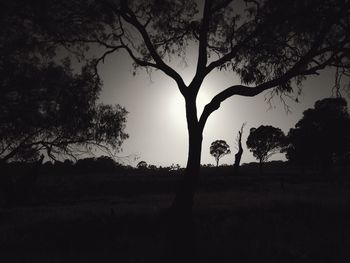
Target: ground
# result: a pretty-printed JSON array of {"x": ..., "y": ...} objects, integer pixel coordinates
[{"x": 246, "y": 218}]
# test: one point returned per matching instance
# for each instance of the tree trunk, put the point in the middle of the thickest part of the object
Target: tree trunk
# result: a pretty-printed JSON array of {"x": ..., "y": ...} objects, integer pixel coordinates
[
  {"x": 181, "y": 230},
  {"x": 183, "y": 203},
  {"x": 238, "y": 155},
  {"x": 261, "y": 167},
  {"x": 181, "y": 208}
]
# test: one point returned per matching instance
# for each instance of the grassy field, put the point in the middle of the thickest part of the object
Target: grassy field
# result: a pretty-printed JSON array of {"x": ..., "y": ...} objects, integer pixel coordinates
[{"x": 246, "y": 218}]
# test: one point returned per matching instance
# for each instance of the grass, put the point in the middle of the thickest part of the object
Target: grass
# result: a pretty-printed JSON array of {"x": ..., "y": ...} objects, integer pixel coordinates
[{"x": 107, "y": 218}]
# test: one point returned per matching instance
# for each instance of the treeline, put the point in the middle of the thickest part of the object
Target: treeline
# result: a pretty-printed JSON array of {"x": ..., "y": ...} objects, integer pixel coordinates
[
  {"x": 320, "y": 139},
  {"x": 90, "y": 165}
]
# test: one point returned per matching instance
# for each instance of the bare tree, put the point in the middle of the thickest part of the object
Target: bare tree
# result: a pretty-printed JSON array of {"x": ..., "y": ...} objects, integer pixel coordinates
[{"x": 239, "y": 153}]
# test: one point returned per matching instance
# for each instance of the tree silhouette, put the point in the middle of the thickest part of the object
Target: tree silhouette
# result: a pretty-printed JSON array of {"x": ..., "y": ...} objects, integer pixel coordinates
[
  {"x": 142, "y": 165},
  {"x": 218, "y": 149},
  {"x": 322, "y": 135},
  {"x": 264, "y": 142},
  {"x": 239, "y": 153},
  {"x": 269, "y": 44},
  {"x": 49, "y": 108},
  {"x": 44, "y": 104}
]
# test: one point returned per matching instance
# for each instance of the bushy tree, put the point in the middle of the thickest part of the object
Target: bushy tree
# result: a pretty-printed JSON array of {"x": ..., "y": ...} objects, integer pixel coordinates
[
  {"x": 268, "y": 44},
  {"x": 45, "y": 105},
  {"x": 265, "y": 141},
  {"x": 322, "y": 135},
  {"x": 49, "y": 108},
  {"x": 219, "y": 149}
]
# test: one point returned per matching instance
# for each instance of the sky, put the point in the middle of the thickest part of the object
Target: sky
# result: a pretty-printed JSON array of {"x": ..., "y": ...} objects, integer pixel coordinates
[{"x": 156, "y": 121}]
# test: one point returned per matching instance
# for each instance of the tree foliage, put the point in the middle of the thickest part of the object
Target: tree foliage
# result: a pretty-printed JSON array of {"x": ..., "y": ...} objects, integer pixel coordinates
[
  {"x": 322, "y": 135},
  {"x": 268, "y": 43},
  {"x": 265, "y": 141},
  {"x": 44, "y": 103},
  {"x": 219, "y": 149}
]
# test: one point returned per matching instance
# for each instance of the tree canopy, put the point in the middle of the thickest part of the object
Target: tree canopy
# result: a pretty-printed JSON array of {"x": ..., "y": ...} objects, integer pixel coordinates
[
  {"x": 322, "y": 135},
  {"x": 49, "y": 108},
  {"x": 265, "y": 141},
  {"x": 219, "y": 149},
  {"x": 45, "y": 105}
]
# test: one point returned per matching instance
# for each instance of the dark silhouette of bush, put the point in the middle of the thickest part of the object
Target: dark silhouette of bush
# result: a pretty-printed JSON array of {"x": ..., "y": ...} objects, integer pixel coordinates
[
  {"x": 153, "y": 167},
  {"x": 100, "y": 164},
  {"x": 142, "y": 165},
  {"x": 105, "y": 164}
]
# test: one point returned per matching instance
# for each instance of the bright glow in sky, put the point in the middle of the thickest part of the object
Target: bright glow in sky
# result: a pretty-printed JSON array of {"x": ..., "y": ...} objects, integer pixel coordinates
[{"x": 157, "y": 123}]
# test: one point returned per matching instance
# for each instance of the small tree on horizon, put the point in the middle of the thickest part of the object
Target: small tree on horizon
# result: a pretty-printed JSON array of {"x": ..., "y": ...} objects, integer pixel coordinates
[
  {"x": 265, "y": 141},
  {"x": 219, "y": 149},
  {"x": 142, "y": 165}
]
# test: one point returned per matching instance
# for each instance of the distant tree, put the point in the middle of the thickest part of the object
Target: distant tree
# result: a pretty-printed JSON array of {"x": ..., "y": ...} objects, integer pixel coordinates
[
  {"x": 152, "y": 167},
  {"x": 85, "y": 165},
  {"x": 142, "y": 165},
  {"x": 68, "y": 163},
  {"x": 105, "y": 164},
  {"x": 96, "y": 164},
  {"x": 264, "y": 142},
  {"x": 218, "y": 149},
  {"x": 322, "y": 136},
  {"x": 239, "y": 153},
  {"x": 268, "y": 44},
  {"x": 175, "y": 167}
]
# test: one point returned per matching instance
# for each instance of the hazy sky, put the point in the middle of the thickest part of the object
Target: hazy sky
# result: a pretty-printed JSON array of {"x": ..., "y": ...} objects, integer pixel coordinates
[{"x": 156, "y": 120}]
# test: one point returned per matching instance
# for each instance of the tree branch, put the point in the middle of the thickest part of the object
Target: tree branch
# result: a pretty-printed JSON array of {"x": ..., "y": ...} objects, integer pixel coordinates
[
  {"x": 138, "y": 61},
  {"x": 229, "y": 56},
  {"x": 129, "y": 16},
  {"x": 203, "y": 37},
  {"x": 247, "y": 91},
  {"x": 221, "y": 5}
]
